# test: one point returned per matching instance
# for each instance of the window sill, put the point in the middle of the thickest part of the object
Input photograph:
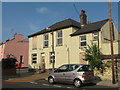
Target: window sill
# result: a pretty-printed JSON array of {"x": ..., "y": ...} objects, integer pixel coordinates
[
  {"x": 34, "y": 63},
  {"x": 82, "y": 47},
  {"x": 95, "y": 40},
  {"x": 59, "y": 45},
  {"x": 45, "y": 47},
  {"x": 34, "y": 49}
]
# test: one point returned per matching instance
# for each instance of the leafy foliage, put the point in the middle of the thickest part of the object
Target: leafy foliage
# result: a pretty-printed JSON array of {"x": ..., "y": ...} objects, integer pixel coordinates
[
  {"x": 8, "y": 63},
  {"x": 94, "y": 57}
]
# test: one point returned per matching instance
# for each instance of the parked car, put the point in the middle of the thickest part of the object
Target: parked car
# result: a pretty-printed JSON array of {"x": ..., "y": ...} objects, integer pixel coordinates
[{"x": 76, "y": 74}]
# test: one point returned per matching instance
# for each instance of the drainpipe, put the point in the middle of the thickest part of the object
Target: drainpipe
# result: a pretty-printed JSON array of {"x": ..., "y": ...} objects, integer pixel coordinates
[{"x": 68, "y": 55}]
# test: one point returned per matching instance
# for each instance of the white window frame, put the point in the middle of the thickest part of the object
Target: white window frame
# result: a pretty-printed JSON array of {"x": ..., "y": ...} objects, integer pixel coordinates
[
  {"x": 58, "y": 38},
  {"x": 35, "y": 60},
  {"x": 83, "y": 40},
  {"x": 45, "y": 40},
  {"x": 95, "y": 34}
]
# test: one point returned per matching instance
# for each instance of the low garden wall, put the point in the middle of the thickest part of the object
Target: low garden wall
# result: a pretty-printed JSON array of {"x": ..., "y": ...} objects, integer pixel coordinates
[
  {"x": 9, "y": 72},
  {"x": 107, "y": 74}
]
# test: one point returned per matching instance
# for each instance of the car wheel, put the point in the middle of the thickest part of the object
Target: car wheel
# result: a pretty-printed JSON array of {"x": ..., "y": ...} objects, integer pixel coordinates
[
  {"x": 77, "y": 83},
  {"x": 51, "y": 80}
]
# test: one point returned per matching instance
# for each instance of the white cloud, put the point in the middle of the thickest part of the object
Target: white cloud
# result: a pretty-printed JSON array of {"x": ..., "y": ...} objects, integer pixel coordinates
[
  {"x": 42, "y": 10},
  {"x": 33, "y": 27}
]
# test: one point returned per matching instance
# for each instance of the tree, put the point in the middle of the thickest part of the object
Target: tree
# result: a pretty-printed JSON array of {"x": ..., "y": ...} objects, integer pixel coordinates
[
  {"x": 94, "y": 57},
  {"x": 8, "y": 63}
]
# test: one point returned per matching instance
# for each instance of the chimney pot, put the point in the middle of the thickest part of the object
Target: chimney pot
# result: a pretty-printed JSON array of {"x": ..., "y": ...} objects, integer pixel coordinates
[
  {"x": 83, "y": 18},
  {"x": 83, "y": 11}
]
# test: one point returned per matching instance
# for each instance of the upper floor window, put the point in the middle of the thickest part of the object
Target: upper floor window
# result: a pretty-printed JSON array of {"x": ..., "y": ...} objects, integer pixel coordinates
[
  {"x": 34, "y": 43},
  {"x": 46, "y": 40},
  {"x": 83, "y": 41},
  {"x": 59, "y": 38},
  {"x": 95, "y": 36}
]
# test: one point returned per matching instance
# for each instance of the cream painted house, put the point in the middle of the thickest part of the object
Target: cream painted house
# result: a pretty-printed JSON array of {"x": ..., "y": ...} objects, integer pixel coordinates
[{"x": 69, "y": 39}]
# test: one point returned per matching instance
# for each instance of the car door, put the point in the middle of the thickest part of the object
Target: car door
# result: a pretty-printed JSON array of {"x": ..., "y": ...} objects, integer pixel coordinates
[
  {"x": 71, "y": 74},
  {"x": 59, "y": 74}
]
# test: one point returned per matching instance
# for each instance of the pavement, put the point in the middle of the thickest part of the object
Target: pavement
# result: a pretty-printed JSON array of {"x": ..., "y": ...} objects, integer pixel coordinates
[
  {"x": 108, "y": 83},
  {"x": 34, "y": 77},
  {"x": 31, "y": 77}
]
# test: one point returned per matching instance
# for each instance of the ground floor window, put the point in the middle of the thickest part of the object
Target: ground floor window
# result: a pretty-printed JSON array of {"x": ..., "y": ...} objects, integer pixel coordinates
[
  {"x": 34, "y": 58},
  {"x": 52, "y": 56},
  {"x": 43, "y": 61}
]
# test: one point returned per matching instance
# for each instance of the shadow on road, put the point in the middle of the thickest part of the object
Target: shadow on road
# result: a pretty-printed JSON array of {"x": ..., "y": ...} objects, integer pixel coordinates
[{"x": 22, "y": 73}]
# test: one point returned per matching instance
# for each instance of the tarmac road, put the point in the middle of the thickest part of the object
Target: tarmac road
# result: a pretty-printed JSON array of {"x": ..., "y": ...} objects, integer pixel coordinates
[{"x": 44, "y": 84}]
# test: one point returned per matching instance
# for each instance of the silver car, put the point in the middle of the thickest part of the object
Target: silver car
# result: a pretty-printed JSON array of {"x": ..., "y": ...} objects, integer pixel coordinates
[{"x": 76, "y": 74}]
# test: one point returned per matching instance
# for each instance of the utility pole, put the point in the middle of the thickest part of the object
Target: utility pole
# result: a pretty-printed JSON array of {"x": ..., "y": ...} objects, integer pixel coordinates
[{"x": 111, "y": 40}]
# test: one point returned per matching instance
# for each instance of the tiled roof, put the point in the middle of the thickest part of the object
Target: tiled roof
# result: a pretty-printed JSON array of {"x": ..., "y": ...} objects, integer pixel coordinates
[
  {"x": 87, "y": 28},
  {"x": 59, "y": 25}
]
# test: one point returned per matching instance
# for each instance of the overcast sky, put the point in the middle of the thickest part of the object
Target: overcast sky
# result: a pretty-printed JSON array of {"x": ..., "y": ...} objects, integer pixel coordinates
[{"x": 29, "y": 17}]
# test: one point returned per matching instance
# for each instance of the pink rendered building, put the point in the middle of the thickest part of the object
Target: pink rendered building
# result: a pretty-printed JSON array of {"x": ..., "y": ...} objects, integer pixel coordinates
[
  {"x": 2, "y": 51},
  {"x": 16, "y": 48}
]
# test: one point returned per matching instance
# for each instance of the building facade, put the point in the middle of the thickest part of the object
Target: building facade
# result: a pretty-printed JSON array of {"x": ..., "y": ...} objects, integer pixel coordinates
[
  {"x": 2, "y": 46},
  {"x": 67, "y": 39},
  {"x": 17, "y": 48}
]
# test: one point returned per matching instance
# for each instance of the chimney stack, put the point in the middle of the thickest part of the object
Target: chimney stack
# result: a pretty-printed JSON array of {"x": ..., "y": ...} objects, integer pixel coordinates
[{"x": 83, "y": 18}]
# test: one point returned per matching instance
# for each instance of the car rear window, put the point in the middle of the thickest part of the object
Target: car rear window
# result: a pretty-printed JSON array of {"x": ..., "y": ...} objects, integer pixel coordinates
[
  {"x": 85, "y": 68},
  {"x": 73, "y": 67}
]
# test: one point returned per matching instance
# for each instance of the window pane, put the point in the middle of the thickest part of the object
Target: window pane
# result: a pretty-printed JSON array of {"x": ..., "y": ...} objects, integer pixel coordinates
[
  {"x": 85, "y": 68},
  {"x": 83, "y": 38},
  {"x": 95, "y": 33},
  {"x": 83, "y": 43},
  {"x": 34, "y": 61},
  {"x": 46, "y": 37},
  {"x": 34, "y": 54},
  {"x": 34, "y": 58},
  {"x": 95, "y": 38},
  {"x": 45, "y": 43},
  {"x": 45, "y": 40},
  {"x": 73, "y": 67},
  {"x": 59, "y": 41},
  {"x": 63, "y": 68},
  {"x": 60, "y": 34}
]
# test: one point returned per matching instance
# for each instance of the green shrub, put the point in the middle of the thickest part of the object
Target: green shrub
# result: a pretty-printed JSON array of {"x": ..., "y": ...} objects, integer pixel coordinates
[
  {"x": 94, "y": 57},
  {"x": 8, "y": 63}
]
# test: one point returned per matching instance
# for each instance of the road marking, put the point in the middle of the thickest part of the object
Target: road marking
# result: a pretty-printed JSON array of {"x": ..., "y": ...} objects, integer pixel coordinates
[
  {"x": 15, "y": 81},
  {"x": 56, "y": 86},
  {"x": 46, "y": 84},
  {"x": 33, "y": 83},
  {"x": 46, "y": 79},
  {"x": 69, "y": 87}
]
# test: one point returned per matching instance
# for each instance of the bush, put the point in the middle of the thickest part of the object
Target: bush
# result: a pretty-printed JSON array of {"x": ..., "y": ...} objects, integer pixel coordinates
[
  {"x": 94, "y": 57},
  {"x": 8, "y": 63}
]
